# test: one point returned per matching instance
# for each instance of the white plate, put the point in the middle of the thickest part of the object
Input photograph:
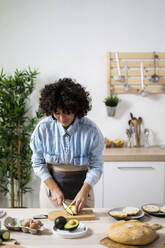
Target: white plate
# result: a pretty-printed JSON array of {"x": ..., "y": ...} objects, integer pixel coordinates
[
  {"x": 80, "y": 231},
  {"x": 129, "y": 217},
  {"x": 2, "y": 213}
]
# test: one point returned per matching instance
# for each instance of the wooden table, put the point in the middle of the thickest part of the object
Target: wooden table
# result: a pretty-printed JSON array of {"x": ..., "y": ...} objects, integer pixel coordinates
[{"x": 96, "y": 232}]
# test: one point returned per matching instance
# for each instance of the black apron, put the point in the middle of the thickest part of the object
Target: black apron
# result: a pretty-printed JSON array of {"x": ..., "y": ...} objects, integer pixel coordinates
[{"x": 69, "y": 181}]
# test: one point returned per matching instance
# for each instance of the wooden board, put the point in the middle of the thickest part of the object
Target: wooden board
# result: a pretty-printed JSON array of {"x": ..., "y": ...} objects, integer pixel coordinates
[
  {"x": 85, "y": 214},
  {"x": 112, "y": 244},
  {"x": 133, "y": 61}
]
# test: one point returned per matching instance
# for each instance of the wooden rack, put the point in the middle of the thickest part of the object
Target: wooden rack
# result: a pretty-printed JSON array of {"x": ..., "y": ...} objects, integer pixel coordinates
[{"x": 133, "y": 61}]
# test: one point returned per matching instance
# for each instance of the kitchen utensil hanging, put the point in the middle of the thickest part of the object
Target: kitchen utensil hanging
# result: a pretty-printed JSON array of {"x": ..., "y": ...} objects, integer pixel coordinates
[
  {"x": 134, "y": 72},
  {"x": 155, "y": 78},
  {"x": 126, "y": 86},
  {"x": 143, "y": 91},
  {"x": 117, "y": 77}
]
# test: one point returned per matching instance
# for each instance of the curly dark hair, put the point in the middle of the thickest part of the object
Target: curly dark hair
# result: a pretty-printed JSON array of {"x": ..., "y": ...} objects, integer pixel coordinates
[{"x": 67, "y": 95}]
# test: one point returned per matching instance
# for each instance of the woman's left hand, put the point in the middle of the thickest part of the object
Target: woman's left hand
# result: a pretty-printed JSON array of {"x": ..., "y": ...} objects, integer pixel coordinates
[{"x": 81, "y": 197}]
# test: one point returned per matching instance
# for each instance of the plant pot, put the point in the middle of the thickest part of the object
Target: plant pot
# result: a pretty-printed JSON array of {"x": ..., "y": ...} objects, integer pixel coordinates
[{"x": 111, "y": 110}]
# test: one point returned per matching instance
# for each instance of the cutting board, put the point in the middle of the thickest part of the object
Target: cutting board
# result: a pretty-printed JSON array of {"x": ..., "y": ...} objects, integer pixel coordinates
[
  {"x": 85, "y": 214},
  {"x": 112, "y": 244}
]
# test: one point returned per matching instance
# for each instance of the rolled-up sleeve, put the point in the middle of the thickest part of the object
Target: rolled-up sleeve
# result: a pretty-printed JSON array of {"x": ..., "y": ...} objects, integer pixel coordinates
[
  {"x": 95, "y": 158},
  {"x": 38, "y": 161}
]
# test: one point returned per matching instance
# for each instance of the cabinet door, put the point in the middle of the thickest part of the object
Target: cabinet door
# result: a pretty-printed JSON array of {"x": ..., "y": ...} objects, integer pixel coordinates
[
  {"x": 98, "y": 193},
  {"x": 133, "y": 183}
]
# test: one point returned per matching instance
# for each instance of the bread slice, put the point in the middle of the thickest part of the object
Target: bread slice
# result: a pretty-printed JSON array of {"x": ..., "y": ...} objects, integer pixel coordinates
[
  {"x": 162, "y": 209},
  {"x": 131, "y": 210},
  {"x": 151, "y": 208},
  {"x": 132, "y": 232},
  {"x": 118, "y": 214}
]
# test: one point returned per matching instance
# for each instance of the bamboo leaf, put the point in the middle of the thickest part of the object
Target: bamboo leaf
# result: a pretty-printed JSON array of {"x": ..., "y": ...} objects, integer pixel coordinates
[{"x": 15, "y": 131}]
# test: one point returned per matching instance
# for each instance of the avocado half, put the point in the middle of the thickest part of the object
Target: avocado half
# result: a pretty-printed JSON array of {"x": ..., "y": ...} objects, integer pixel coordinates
[
  {"x": 72, "y": 208},
  {"x": 71, "y": 224}
]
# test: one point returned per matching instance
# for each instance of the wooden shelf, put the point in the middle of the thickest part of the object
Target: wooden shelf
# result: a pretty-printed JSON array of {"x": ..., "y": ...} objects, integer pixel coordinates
[{"x": 133, "y": 61}]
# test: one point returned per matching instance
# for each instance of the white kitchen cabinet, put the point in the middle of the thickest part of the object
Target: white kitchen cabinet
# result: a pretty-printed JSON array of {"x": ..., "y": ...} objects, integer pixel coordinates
[
  {"x": 133, "y": 183},
  {"x": 98, "y": 193}
]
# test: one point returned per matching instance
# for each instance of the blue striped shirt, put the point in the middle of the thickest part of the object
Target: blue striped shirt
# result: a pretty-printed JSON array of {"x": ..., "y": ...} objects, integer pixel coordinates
[{"x": 81, "y": 144}]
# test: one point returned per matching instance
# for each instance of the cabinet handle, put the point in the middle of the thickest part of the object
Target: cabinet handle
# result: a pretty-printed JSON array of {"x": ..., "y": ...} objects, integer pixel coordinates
[{"x": 135, "y": 168}]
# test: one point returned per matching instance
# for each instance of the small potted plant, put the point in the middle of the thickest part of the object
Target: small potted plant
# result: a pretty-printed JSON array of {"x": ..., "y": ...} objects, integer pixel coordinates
[{"x": 111, "y": 103}]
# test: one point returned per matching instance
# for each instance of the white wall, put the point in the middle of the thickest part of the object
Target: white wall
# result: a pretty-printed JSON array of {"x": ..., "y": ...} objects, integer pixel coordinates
[{"x": 70, "y": 38}]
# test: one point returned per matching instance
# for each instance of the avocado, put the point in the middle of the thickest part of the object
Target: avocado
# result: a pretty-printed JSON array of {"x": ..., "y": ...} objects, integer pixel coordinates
[
  {"x": 60, "y": 222},
  {"x": 71, "y": 224},
  {"x": 4, "y": 235},
  {"x": 72, "y": 208}
]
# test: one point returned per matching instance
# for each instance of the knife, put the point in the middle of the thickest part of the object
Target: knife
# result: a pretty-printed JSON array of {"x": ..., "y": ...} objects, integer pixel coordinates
[
  {"x": 68, "y": 209},
  {"x": 40, "y": 216}
]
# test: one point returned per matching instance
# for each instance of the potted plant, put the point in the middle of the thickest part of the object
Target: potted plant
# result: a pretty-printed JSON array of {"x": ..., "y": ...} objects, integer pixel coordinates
[
  {"x": 15, "y": 131},
  {"x": 111, "y": 103}
]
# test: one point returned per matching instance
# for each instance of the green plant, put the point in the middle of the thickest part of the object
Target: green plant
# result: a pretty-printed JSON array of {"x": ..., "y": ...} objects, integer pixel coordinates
[
  {"x": 15, "y": 131},
  {"x": 111, "y": 101}
]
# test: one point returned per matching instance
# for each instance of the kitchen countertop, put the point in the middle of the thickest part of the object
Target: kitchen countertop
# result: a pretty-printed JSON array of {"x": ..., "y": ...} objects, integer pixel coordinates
[
  {"x": 154, "y": 153},
  {"x": 96, "y": 232}
]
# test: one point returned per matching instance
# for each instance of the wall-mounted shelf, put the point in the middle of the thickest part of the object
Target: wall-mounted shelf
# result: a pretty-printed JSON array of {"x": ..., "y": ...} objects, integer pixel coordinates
[{"x": 132, "y": 61}]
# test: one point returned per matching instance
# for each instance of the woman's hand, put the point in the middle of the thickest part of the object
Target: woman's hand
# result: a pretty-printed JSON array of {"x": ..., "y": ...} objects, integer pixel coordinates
[
  {"x": 56, "y": 193},
  {"x": 81, "y": 197},
  {"x": 57, "y": 196}
]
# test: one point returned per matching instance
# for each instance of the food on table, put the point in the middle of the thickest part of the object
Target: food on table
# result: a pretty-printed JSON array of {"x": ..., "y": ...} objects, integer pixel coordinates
[
  {"x": 118, "y": 143},
  {"x": 118, "y": 214},
  {"x": 123, "y": 213},
  {"x": 71, "y": 224},
  {"x": 108, "y": 142},
  {"x": 27, "y": 223},
  {"x": 60, "y": 222},
  {"x": 32, "y": 224},
  {"x": 39, "y": 222},
  {"x": 150, "y": 208},
  {"x": 4, "y": 235},
  {"x": 162, "y": 209},
  {"x": 72, "y": 208},
  {"x": 132, "y": 232},
  {"x": 131, "y": 210}
]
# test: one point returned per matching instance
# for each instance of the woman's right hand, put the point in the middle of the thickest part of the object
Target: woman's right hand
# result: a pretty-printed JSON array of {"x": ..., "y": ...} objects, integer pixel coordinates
[
  {"x": 56, "y": 193},
  {"x": 57, "y": 196}
]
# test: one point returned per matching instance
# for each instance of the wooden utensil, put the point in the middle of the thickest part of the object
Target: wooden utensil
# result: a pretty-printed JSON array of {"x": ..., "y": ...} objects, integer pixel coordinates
[
  {"x": 85, "y": 214},
  {"x": 112, "y": 244},
  {"x": 134, "y": 123},
  {"x": 139, "y": 127}
]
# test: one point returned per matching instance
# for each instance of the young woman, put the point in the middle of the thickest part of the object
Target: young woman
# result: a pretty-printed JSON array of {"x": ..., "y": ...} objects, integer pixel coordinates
[{"x": 67, "y": 147}]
